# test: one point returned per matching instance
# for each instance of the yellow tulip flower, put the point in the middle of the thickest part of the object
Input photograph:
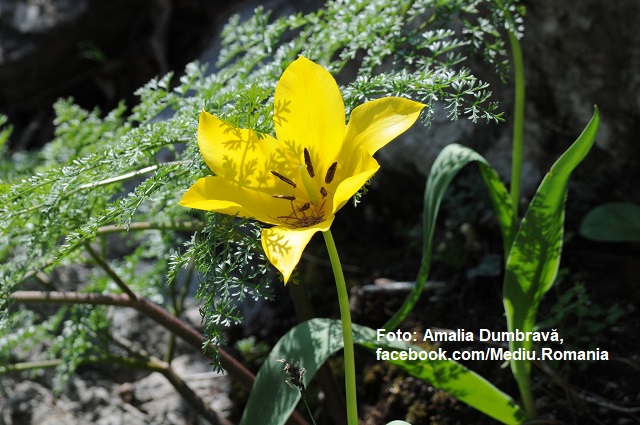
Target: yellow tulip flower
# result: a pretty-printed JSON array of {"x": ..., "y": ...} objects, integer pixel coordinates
[{"x": 299, "y": 180}]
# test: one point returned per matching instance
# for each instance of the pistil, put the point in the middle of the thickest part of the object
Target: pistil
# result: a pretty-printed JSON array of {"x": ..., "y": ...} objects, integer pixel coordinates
[{"x": 308, "y": 185}]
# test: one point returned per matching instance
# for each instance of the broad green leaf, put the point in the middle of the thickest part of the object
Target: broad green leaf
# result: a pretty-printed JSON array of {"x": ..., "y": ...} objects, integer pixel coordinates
[
  {"x": 613, "y": 222},
  {"x": 311, "y": 343},
  {"x": 533, "y": 262},
  {"x": 451, "y": 160}
]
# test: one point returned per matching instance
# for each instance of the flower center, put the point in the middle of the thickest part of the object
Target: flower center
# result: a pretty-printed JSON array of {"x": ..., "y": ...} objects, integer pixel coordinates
[{"x": 306, "y": 213}]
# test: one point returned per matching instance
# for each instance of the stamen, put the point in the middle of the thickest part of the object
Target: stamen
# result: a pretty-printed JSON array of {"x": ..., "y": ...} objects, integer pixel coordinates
[
  {"x": 307, "y": 162},
  {"x": 331, "y": 172},
  {"x": 323, "y": 192},
  {"x": 283, "y": 178},
  {"x": 287, "y": 197},
  {"x": 305, "y": 206}
]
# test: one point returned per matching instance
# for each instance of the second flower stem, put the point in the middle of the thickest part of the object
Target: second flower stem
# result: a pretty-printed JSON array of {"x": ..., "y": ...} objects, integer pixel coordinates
[
  {"x": 518, "y": 123},
  {"x": 347, "y": 335}
]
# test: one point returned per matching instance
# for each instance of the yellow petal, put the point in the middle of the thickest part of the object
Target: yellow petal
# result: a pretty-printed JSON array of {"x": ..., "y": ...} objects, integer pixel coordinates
[
  {"x": 284, "y": 245},
  {"x": 221, "y": 195},
  {"x": 376, "y": 123},
  {"x": 360, "y": 171},
  {"x": 309, "y": 112},
  {"x": 238, "y": 154}
]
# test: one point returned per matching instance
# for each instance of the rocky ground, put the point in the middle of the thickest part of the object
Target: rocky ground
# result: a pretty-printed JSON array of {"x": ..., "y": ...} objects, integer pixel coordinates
[
  {"x": 114, "y": 394},
  {"x": 94, "y": 397}
]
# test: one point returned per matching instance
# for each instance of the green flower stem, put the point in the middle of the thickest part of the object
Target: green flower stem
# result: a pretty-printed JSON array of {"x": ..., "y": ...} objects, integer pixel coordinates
[
  {"x": 518, "y": 123},
  {"x": 524, "y": 378},
  {"x": 347, "y": 335},
  {"x": 524, "y": 386}
]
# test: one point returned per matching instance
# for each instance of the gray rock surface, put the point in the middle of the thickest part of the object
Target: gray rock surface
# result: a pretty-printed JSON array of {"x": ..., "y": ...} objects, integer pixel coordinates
[
  {"x": 98, "y": 52},
  {"x": 576, "y": 55}
]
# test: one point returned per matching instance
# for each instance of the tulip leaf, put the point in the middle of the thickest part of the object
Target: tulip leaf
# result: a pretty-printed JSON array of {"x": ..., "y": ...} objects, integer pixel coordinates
[
  {"x": 534, "y": 258},
  {"x": 612, "y": 222},
  {"x": 311, "y": 343},
  {"x": 451, "y": 160}
]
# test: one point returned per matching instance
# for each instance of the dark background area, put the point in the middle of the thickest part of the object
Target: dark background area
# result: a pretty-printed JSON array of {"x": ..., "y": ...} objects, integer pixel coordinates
[{"x": 94, "y": 51}]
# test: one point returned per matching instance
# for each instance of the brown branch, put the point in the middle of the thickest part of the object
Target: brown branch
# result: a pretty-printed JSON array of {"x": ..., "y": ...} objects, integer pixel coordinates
[
  {"x": 110, "y": 272},
  {"x": 154, "y": 312},
  {"x": 149, "y": 309}
]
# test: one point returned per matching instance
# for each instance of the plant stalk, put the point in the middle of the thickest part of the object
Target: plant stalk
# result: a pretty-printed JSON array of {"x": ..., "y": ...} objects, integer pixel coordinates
[
  {"x": 347, "y": 335},
  {"x": 180, "y": 226},
  {"x": 522, "y": 372},
  {"x": 518, "y": 123},
  {"x": 521, "y": 369}
]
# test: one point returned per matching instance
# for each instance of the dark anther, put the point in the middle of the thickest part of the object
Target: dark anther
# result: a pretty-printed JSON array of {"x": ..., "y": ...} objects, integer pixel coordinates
[
  {"x": 287, "y": 197},
  {"x": 283, "y": 178},
  {"x": 331, "y": 172},
  {"x": 323, "y": 192},
  {"x": 307, "y": 161},
  {"x": 305, "y": 207}
]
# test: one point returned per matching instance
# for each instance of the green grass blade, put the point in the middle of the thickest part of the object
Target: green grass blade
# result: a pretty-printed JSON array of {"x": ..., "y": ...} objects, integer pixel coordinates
[
  {"x": 535, "y": 255},
  {"x": 311, "y": 343},
  {"x": 450, "y": 161}
]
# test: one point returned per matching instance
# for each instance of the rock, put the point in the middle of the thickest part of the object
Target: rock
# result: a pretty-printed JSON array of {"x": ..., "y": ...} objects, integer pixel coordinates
[
  {"x": 98, "y": 52},
  {"x": 89, "y": 398},
  {"x": 576, "y": 55},
  {"x": 155, "y": 395},
  {"x": 29, "y": 402}
]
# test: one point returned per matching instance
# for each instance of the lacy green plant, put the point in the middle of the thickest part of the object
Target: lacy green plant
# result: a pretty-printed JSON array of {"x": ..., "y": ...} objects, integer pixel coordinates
[{"x": 117, "y": 177}]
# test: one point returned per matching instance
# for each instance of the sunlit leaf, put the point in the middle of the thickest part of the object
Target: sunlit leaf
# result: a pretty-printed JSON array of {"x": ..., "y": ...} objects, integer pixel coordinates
[{"x": 535, "y": 255}]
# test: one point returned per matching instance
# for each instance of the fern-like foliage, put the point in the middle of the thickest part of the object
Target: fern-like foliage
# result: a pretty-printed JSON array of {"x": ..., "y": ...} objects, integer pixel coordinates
[{"x": 104, "y": 175}]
